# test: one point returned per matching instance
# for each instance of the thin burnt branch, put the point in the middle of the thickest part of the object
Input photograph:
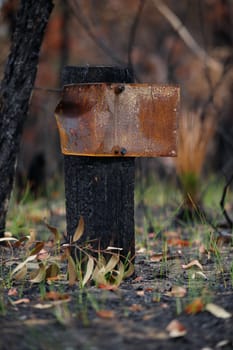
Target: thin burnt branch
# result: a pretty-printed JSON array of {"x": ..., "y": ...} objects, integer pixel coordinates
[
  {"x": 186, "y": 36},
  {"x": 222, "y": 202},
  {"x": 78, "y": 13},
  {"x": 133, "y": 31},
  {"x": 210, "y": 100}
]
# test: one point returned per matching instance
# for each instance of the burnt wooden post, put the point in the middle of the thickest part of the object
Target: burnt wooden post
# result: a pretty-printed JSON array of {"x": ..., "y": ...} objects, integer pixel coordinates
[
  {"x": 105, "y": 121},
  {"x": 101, "y": 189}
]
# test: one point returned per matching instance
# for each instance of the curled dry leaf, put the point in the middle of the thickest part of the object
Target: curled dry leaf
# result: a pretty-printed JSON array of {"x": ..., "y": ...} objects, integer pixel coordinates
[
  {"x": 19, "y": 243},
  {"x": 135, "y": 307},
  {"x": 176, "y": 242},
  {"x": 52, "y": 271},
  {"x": 140, "y": 293},
  {"x": 177, "y": 291},
  {"x": 176, "y": 329},
  {"x": 38, "y": 247},
  {"x": 89, "y": 271},
  {"x": 105, "y": 314},
  {"x": 12, "y": 292},
  {"x": 107, "y": 286},
  {"x": 21, "y": 274},
  {"x": 129, "y": 270},
  {"x": 40, "y": 275},
  {"x": 157, "y": 257},
  {"x": 21, "y": 301},
  {"x": 110, "y": 275},
  {"x": 54, "y": 296},
  {"x": 195, "y": 306},
  {"x": 192, "y": 264},
  {"x": 79, "y": 230},
  {"x": 8, "y": 239},
  {"x": 22, "y": 265},
  {"x": 55, "y": 232},
  {"x": 199, "y": 274},
  {"x": 111, "y": 263},
  {"x": 217, "y": 311},
  {"x": 42, "y": 306},
  {"x": 72, "y": 274}
]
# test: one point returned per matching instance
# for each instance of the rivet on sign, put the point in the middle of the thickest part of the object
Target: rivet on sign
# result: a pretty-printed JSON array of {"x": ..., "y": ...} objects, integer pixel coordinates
[
  {"x": 123, "y": 151},
  {"x": 119, "y": 89}
]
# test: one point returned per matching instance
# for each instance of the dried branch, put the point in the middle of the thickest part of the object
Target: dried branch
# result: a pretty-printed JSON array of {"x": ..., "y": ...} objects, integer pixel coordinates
[
  {"x": 77, "y": 11},
  {"x": 133, "y": 31},
  {"x": 222, "y": 202},
  {"x": 213, "y": 92},
  {"x": 186, "y": 36}
]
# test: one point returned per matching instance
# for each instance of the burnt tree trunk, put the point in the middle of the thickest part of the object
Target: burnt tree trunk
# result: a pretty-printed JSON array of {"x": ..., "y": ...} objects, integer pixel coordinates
[
  {"x": 101, "y": 189},
  {"x": 16, "y": 87}
]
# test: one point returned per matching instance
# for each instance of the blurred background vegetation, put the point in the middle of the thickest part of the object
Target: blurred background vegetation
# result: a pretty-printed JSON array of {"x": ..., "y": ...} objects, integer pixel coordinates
[{"x": 186, "y": 42}]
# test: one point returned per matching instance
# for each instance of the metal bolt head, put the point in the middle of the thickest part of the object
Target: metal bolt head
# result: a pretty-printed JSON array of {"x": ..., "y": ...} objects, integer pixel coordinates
[
  {"x": 119, "y": 89},
  {"x": 123, "y": 151}
]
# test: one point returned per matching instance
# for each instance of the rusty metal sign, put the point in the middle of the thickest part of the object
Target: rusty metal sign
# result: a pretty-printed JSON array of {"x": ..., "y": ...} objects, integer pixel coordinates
[{"x": 135, "y": 120}]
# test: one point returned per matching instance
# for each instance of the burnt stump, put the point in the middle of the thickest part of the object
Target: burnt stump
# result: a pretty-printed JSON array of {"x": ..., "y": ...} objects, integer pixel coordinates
[{"x": 100, "y": 189}]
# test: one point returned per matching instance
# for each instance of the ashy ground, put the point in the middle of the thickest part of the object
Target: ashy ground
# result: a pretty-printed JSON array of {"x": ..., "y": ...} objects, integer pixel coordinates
[{"x": 179, "y": 297}]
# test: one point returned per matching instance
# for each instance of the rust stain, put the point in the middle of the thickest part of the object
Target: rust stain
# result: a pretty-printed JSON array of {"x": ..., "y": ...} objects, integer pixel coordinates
[{"x": 137, "y": 120}]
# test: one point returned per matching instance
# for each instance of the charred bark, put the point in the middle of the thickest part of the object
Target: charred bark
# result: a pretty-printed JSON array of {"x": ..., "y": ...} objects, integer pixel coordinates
[
  {"x": 16, "y": 87},
  {"x": 101, "y": 189}
]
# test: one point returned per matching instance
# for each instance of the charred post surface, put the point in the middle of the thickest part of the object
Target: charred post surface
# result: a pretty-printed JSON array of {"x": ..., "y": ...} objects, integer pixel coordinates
[{"x": 101, "y": 189}]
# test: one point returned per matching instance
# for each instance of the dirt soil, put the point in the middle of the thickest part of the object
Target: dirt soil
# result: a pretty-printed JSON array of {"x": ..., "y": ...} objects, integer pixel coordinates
[{"x": 137, "y": 314}]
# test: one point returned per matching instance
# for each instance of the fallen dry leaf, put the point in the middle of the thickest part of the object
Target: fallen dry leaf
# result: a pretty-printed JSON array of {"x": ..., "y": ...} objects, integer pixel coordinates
[
  {"x": 52, "y": 295},
  {"x": 79, "y": 230},
  {"x": 19, "y": 275},
  {"x": 89, "y": 271},
  {"x": 135, "y": 307},
  {"x": 176, "y": 329},
  {"x": 171, "y": 234},
  {"x": 105, "y": 313},
  {"x": 8, "y": 239},
  {"x": 21, "y": 301},
  {"x": 38, "y": 247},
  {"x": 107, "y": 286},
  {"x": 176, "y": 242},
  {"x": 18, "y": 243},
  {"x": 42, "y": 306},
  {"x": 55, "y": 232},
  {"x": 217, "y": 311},
  {"x": 192, "y": 264},
  {"x": 177, "y": 291},
  {"x": 157, "y": 257},
  {"x": 195, "y": 306},
  {"x": 40, "y": 274},
  {"x": 72, "y": 274},
  {"x": 140, "y": 293},
  {"x": 199, "y": 273},
  {"x": 52, "y": 272},
  {"x": 12, "y": 292}
]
